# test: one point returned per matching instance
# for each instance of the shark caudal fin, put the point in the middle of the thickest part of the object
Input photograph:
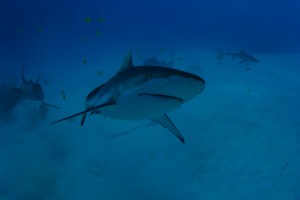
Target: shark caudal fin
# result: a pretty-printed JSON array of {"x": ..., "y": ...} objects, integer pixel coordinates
[{"x": 165, "y": 121}]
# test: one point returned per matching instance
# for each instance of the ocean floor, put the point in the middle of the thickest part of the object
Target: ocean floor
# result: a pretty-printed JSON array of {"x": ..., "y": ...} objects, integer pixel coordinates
[{"x": 242, "y": 139}]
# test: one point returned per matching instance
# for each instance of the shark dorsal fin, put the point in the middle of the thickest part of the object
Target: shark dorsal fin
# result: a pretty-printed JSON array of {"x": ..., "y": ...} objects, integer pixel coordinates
[
  {"x": 243, "y": 51},
  {"x": 127, "y": 63}
]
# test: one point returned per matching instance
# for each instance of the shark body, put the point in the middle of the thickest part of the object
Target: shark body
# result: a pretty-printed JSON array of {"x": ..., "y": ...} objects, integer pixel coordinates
[
  {"x": 33, "y": 90},
  {"x": 143, "y": 92},
  {"x": 242, "y": 56}
]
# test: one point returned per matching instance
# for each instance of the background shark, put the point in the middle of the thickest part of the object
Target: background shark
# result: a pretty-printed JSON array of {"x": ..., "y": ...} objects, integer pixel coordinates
[
  {"x": 12, "y": 95},
  {"x": 144, "y": 92},
  {"x": 242, "y": 56},
  {"x": 33, "y": 90},
  {"x": 153, "y": 61}
]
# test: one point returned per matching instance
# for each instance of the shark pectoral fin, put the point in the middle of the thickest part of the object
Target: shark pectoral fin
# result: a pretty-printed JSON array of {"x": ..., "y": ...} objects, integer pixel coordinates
[
  {"x": 165, "y": 121},
  {"x": 85, "y": 112},
  {"x": 242, "y": 61}
]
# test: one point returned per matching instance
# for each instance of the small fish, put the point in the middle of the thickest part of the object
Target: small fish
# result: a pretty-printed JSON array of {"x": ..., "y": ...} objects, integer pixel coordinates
[
  {"x": 63, "y": 95},
  {"x": 101, "y": 19},
  {"x": 98, "y": 33},
  {"x": 84, "y": 61},
  {"x": 99, "y": 73},
  {"x": 88, "y": 20},
  {"x": 162, "y": 50},
  {"x": 40, "y": 29}
]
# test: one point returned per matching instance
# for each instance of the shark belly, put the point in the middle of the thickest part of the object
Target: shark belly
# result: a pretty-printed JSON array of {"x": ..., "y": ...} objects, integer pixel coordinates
[{"x": 141, "y": 106}]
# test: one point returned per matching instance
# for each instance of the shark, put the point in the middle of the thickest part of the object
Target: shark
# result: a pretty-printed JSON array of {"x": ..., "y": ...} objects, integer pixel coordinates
[
  {"x": 153, "y": 61},
  {"x": 32, "y": 90},
  {"x": 242, "y": 56},
  {"x": 142, "y": 92}
]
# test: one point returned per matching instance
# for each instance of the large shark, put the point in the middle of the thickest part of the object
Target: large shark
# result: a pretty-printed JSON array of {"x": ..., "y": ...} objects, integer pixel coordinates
[
  {"x": 242, "y": 56},
  {"x": 142, "y": 92}
]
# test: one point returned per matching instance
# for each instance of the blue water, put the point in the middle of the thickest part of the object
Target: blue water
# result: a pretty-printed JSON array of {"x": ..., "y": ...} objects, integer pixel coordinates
[{"x": 242, "y": 132}]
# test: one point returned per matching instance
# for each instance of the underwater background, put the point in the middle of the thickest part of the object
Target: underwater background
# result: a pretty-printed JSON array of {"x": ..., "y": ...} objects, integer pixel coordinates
[{"x": 242, "y": 132}]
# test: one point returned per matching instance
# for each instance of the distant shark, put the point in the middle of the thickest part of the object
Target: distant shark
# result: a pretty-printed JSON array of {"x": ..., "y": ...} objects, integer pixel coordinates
[
  {"x": 33, "y": 90},
  {"x": 153, "y": 61},
  {"x": 242, "y": 56},
  {"x": 142, "y": 92},
  {"x": 11, "y": 95}
]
